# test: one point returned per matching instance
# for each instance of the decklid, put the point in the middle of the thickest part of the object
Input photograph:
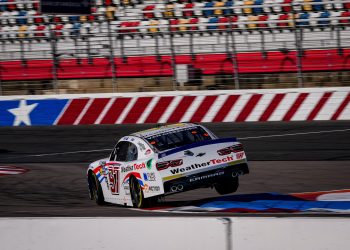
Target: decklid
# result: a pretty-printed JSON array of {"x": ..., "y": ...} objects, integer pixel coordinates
[{"x": 199, "y": 157}]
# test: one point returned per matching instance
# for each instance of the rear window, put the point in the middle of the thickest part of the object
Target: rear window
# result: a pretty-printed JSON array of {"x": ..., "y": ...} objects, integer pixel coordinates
[{"x": 178, "y": 138}]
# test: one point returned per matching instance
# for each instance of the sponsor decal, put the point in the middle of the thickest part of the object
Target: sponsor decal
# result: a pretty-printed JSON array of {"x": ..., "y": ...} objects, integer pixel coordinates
[
  {"x": 231, "y": 149},
  {"x": 133, "y": 167},
  {"x": 127, "y": 169},
  {"x": 149, "y": 176},
  {"x": 148, "y": 151},
  {"x": 188, "y": 153},
  {"x": 240, "y": 155},
  {"x": 114, "y": 180},
  {"x": 208, "y": 176},
  {"x": 141, "y": 146},
  {"x": 200, "y": 154},
  {"x": 201, "y": 165},
  {"x": 149, "y": 164},
  {"x": 148, "y": 188},
  {"x": 127, "y": 189},
  {"x": 139, "y": 166}
]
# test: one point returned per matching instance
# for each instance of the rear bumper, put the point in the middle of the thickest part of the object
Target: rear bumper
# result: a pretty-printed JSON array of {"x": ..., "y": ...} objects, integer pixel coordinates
[{"x": 204, "y": 179}]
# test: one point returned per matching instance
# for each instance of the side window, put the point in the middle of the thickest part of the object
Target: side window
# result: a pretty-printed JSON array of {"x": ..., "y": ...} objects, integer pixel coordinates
[
  {"x": 132, "y": 152},
  {"x": 122, "y": 151}
]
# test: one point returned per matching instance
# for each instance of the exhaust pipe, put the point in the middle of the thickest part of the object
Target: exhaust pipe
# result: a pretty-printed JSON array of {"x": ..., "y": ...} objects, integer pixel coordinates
[{"x": 177, "y": 188}]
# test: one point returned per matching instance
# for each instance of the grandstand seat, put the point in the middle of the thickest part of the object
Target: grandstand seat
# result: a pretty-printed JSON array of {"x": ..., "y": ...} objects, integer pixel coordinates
[
  {"x": 277, "y": 8},
  {"x": 148, "y": 11},
  {"x": 23, "y": 20},
  {"x": 252, "y": 22},
  {"x": 178, "y": 7},
  {"x": 239, "y": 7},
  {"x": 188, "y": 9},
  {"x": 3, "y": 7},
  {"x": 242, "y": 22},
  {"x": 153, "y": 26},
  {"x": 218, "y": 5},
  {"x": 284, "y": 20},
  {"x": 288, "y": 6},
  {"x": 183, "y": 22},
  {"x": 228, "y": 8},
  {"x": 346, "y": 5},
  {"x": 258, "y": 10},
  {"x": 41, "y": 31},
  {"x": 198, "y": 8},
  {"x": 307, "y": 6},
  {"x": 202, "y": 23},
  {"x": 208, "y": 9},
  {"x": 31, "y": 30},
  {"x": 38, "y": 18},
  {"x": 194, "y": 22},
  {"x": 263, "y": 19},
  {"x": 267, "y": 6},
  {"x": 213, "y": 21},
  {"x": 247, "y": 9},
  {"x": 173, "y": 24},
  {"x": 169, "y": 10},
  {"x": 11, "y": 6},
  {"x": 22, "y": 31},
  {"x": 325, "y": 14},
  {"x": 317, "y": 7},
  {"x": 345, "y": 15},
  {"x": 303, "y": 19}
]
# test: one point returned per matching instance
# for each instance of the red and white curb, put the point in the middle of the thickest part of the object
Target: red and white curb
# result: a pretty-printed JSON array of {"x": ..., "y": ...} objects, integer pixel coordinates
[{"x": 11, "y": 170}]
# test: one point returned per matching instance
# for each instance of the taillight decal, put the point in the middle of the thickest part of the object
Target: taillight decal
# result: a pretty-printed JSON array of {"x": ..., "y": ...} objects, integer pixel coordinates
[
  {"x": 231, "y": 149},
  {"x": 166, "y": 164}
]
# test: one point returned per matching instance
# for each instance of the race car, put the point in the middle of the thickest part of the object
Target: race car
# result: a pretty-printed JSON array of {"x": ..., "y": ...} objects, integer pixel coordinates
[{"x": 166, "y": 160}]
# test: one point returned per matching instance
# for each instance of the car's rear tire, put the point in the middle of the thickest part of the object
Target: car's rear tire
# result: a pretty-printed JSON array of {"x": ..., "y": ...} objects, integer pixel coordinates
[
  {"x": 227, "y": 185},
  {"x": 96, "y": 190},
  {"x": 137, "y": 197}
]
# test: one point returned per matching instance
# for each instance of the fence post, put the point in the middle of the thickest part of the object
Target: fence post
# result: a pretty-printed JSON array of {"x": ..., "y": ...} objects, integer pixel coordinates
[
  {"x": 173, "y": 60},
  {"x": 340, "y": 49},
  {"x": 0, "y": 85},
  {"x": 234, "y": 56},
  {"x": 55, "y": 59},
  {"x": 298, "y": 43},
  {"x": 111, "y": 57}
]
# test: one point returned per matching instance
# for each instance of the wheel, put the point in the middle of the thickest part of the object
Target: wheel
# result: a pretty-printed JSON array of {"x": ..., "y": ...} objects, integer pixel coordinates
[
  {"x": 138, "y": 200},
  {"x": 96, "y": 190},
  {"x": 227, "y": 185}
]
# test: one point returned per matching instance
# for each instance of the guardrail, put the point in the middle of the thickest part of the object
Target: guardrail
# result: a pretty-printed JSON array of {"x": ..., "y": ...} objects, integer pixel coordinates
[
  {"x": 233, "y": 233},
  {"x": 184, "y": 106}
]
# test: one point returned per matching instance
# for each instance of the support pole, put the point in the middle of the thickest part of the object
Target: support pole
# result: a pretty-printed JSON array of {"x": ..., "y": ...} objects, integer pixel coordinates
[
  {"x": 111, "y": 57},
  {"x": 55, "y": 59},
  {"x": 298, "y": 43},
  {"x": 173, "y": 60},
  {"x": 234, "y": 56}
]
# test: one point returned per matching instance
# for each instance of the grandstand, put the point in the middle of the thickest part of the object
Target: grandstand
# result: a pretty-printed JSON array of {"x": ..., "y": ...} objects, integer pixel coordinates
[{"x": 129, "y": 45}]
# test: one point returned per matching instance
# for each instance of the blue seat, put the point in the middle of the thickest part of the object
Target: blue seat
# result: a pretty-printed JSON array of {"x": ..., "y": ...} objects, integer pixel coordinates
[
  {"x": 318, "y": 7},
  {"x": 208, "y": 13},
  {"x": 324, "y": 14},
  {"x": 22, "y": 20},
  {"x": 228, "y": 10},
  {"x": 213, "y": 20},
  {"x": 303, "y": 19},
  {"x": 258, "y": 10}
]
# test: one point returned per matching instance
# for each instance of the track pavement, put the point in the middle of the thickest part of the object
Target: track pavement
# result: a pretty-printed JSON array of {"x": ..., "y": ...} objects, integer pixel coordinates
[{"x": 284, "y": 157}]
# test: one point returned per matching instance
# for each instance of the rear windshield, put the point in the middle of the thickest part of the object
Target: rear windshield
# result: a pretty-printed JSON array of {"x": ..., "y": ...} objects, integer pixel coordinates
[{"x": 174, "y": 139}]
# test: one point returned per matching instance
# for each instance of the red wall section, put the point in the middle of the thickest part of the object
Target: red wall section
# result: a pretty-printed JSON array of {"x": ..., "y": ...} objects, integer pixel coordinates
[{"x": 252, "y": 62}]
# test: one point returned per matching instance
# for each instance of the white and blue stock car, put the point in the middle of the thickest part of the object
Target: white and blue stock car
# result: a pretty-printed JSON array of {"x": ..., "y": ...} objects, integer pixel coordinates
[{"x": 166, "y": 160}]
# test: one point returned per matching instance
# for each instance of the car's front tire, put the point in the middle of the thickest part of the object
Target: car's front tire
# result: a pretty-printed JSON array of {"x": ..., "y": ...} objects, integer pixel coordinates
[
  {"x": 227, "y": 185},
  {"x": 96, "y": 190}
]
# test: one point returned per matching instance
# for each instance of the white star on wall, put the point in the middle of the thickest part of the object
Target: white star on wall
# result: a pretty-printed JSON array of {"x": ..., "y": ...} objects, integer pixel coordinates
[{"x": 22, "y": 113}]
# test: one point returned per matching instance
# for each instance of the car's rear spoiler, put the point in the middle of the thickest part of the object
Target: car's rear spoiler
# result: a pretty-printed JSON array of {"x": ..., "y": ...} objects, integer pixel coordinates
[{"x": 195, "y": 145}]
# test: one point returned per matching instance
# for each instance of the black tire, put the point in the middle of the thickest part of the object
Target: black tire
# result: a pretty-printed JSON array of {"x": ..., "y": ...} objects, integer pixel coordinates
[
  {"x": 137, "y": 197},
  {"x": 96, "y": 190},
  {"x": 227, "y": 185}
]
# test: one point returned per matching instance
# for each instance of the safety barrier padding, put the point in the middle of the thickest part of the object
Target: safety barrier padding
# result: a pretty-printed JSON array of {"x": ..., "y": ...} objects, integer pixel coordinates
[
  {"x": 174, "y": 233},
  {"x": 178, "y": 106}
]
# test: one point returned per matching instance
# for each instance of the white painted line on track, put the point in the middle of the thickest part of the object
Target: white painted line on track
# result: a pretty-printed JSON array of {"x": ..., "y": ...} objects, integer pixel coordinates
[{"x": 293, "y": 134}]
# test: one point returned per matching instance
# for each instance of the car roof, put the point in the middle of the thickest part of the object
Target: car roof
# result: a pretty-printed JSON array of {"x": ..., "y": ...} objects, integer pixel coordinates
[{"x": 164, "y": 129}]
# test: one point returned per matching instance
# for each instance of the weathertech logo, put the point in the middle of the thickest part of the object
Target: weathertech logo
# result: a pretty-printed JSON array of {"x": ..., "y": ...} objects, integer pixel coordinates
[{"x": 201, "y": 165}]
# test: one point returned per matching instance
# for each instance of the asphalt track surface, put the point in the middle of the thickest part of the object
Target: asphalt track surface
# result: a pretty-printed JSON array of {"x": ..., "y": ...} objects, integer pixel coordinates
[{"x": 284, "y": 158}]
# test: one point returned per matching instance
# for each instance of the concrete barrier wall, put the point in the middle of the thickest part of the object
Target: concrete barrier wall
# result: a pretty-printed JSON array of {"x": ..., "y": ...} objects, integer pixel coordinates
[
  {"x": 178, "y": 106},
  {"x": 265, "y": 233}
]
